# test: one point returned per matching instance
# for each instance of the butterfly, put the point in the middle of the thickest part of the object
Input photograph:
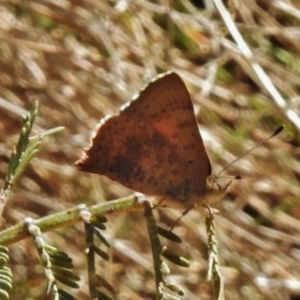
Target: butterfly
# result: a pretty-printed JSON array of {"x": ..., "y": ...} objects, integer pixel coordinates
[{"x": 153, "y": 146}]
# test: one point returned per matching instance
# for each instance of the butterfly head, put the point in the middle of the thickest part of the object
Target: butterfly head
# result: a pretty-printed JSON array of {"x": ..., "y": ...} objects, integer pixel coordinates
[{"x": 216, "y": 188}]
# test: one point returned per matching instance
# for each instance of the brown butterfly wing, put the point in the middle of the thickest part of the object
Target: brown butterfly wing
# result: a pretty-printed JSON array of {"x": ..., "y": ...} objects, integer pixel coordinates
[{"x": 153, "y": 146}]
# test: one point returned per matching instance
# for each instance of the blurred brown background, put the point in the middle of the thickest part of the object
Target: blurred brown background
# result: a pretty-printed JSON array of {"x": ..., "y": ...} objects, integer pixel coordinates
[{"x": 83, "y": 59}]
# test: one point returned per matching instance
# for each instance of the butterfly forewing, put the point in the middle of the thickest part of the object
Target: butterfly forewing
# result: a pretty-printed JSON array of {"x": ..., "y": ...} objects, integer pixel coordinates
[{"x": 153, "y": 145}]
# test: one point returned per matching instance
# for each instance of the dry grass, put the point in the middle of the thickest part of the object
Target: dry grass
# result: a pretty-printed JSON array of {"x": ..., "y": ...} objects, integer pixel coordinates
[{"x": 83, "y": 59}]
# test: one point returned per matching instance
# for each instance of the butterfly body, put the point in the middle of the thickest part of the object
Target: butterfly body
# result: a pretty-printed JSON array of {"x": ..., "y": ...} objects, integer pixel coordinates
[{"x": 153, "y": 145}]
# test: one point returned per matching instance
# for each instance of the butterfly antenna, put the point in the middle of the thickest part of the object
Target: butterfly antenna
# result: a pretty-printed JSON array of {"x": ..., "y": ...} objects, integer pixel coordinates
[{"x": 277, "y": 131}]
